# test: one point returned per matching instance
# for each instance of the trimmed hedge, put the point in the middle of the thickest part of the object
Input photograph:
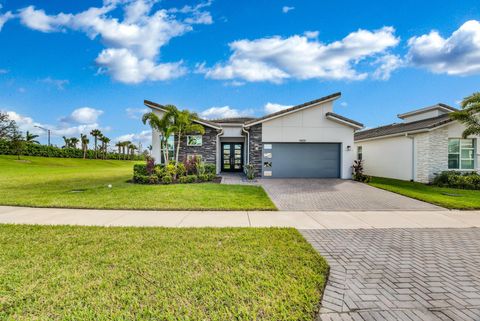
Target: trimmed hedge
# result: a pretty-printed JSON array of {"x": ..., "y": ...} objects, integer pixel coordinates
[
  {"x": 6, "y": 148},
  {"x": 164, "y": 175},
  {"x": 469, "y": 180}
]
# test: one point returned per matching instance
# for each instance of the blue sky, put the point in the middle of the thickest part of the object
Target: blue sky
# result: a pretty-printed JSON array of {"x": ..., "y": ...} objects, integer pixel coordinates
[{"x": 73, "y": 66}]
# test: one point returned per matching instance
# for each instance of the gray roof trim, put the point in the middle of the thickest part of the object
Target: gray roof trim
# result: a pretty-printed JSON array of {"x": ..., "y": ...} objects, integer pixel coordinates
[
  {"x": 403, "y": 128},
  {"x": 441, "y": 106},
  {"x": 343, "y": 119},
  {"x": 293, "y": 109},
  {"x": 200, "y": 121}
]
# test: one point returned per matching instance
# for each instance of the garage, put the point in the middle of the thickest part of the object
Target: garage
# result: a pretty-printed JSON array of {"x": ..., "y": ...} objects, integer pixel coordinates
[{"x": 299, "y": 160}]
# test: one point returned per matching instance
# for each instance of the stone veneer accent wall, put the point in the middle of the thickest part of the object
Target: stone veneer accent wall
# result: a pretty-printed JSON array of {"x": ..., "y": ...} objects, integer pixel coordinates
[
  {"x": 432, "y": 154},
  {"x": 255, "y": 148},
  {"x": 208, "y": 150}
]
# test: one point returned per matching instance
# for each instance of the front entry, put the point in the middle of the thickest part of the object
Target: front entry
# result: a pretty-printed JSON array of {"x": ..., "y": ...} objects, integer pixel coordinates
[{"x": 232, "y": 157}]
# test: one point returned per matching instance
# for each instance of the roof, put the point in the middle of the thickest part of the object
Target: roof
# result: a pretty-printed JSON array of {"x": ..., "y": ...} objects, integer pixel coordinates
[
  {"x": 201, "y": 121},
  {"x": 232, "y": 120},
  {"x": 344, "y": 119},
  {"x": 403, "y": 128},
  {"x": 440, "y": 106},
  {"x": 292, "y": 109}
]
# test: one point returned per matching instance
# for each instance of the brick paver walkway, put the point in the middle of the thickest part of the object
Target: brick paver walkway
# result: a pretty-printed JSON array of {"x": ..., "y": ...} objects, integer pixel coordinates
[{"x": 400, "y": 274}]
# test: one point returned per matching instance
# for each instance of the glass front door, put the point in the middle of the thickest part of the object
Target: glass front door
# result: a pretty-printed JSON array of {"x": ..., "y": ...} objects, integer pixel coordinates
[{"x": 232, "y": 157}]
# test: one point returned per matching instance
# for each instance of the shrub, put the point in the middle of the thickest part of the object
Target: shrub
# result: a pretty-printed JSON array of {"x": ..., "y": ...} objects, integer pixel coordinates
[
  {"x": 250, "y": 171},
  {"x": 153, "y": 179},
  {"x": 203, "y": 178},
  {"x": 183, "y": 180},
  {"x": 190, "y": 166},
  {"x": 150, "y": 167},
  {"x": 167, "y": 179},
  {"x": 191, "y": 178},
  {"x": 170, "y": 170},
  {"x": 358, "y": 174},
  {"x": 140, "y": 169},
  {"x": 468, "y": 180},
  {"x": 210, "y": 169},
  {"x": 181, "y": 170},
  {"x": 211, "y": 177},
  {"x": 141, "y": 179},
  {"x": 200, "y": 166}
]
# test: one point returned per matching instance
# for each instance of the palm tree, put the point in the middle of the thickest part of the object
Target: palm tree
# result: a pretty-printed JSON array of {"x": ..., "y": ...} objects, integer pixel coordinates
[
  {"x": 96, "y": 133},
  {"x": 132, "y": 148},
  {"x": 163, "y": 126},
  {"x": 126, "y": 145},
  {"x": 105, "y": 140},
  {"x": 469, "y": 115},
  {"x": 30, "y": 138},
  {"x": 73, "y": 142},
  {"x": 67, "y": 142},
  {"x": 84, "y": 139}
]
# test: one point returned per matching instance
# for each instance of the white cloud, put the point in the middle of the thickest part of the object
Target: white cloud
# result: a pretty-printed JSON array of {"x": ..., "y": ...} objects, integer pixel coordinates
[
  {"x": 132, "y": 44},
  {"x": 223, "y": 112},
  {"x": 276, "y": 59},
  {"x": 458, "y": 54},
  {"x": 387, "y": 64},
  {"x": 83, "y": 115},
  {"x": 311, "y": 34},
  {"x": 136, "y": 113},
  {"x": 57, "y": 83},
  {"x": 344, "y": 104},
  {"x": 144, "y": 137},
  {"x": 286, "y": 9},
  {"x": 270, "y": 108},
  {"x": 4, "y": 17}
]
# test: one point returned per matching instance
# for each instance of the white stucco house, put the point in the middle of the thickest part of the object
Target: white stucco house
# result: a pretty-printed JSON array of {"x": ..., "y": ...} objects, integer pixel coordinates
[
  {"x": 426, "y": 142},
  {"x": 307, "y": 140}
]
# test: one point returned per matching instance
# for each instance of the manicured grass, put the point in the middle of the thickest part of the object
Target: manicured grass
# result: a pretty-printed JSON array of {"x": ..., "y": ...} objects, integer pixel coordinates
[
  {"x": 98, "y": 273},
  {"x": 78, "y": 183},
  {"x": 446, "y": 197}
]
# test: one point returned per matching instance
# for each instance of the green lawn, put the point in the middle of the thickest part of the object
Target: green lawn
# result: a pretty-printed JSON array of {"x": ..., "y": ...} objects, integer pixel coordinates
[
  {"x": 101, "y": 273},
  {"x": 78, "y": 183},
  {"x": 446, "y": 197}
]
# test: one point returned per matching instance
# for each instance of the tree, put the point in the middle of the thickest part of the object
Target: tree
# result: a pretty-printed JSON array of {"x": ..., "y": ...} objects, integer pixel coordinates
[
  {"x": 30, "y": 138},
  {"x": 84, "y": 140},
  {"x": 18, "y": 142},
  {"x": 67, "y": 142},
  {"x": 163, "y": 126},
  {"x": 126, "y": 145},
  {"x": 132, "y": 148},
  {"x": 469, "y": 115},
  {"x": 96, "y": 133},
  {"x": 105, "y": 140},
  {"x": 7, "y": 126},
  {"x": 73, "y": 142},
  {"x": 119, "y": 146}
]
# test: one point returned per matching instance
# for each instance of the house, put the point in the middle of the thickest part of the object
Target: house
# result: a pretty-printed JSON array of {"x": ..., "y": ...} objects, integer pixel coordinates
[
  {"x": 426, "y": 142},
  {"x": 308, "y": 140}
]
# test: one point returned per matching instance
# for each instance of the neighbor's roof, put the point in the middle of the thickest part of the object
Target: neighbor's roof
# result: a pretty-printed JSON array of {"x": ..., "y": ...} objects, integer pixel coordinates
[
  {"x": 201, "y": 121},
  {"x": 403, "y": 128},
  {"x": 292, "y": 109},
  {"x": 440, "y": 106},
  {"x": 232, "y": 120}
]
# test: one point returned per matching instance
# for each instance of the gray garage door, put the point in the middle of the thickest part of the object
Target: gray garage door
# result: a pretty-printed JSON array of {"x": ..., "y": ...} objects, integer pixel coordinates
[{"x": 301, "y": 160}]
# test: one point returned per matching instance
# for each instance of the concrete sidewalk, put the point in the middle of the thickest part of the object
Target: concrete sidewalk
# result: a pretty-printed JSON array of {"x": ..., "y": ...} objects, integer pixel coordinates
[{"x": 300, "y": 220}]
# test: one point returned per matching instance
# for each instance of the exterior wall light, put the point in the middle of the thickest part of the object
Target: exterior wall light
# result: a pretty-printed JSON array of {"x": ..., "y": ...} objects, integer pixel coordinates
[{"x": 349, "y": 148}]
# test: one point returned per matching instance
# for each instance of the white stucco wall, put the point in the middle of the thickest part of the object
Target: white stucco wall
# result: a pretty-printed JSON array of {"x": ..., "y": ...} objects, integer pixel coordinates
[
  {"x": 311, "y": 126},
  {"x": 232, "y": 131},
  {"x": 388, "y": 157},
  {"x": 424, "y": 115},
  {"x": 156, "y": 139}
]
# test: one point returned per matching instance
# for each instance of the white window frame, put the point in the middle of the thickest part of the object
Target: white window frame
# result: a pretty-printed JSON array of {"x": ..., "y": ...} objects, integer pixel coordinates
[
  {"x": 201, "y": 140},
  {"x": 460, "y": 148},
  {"x": 359, "y": 152}
]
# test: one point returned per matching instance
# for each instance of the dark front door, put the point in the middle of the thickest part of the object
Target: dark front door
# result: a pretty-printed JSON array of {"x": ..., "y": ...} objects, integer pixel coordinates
[{"x": 232, "y": 157}]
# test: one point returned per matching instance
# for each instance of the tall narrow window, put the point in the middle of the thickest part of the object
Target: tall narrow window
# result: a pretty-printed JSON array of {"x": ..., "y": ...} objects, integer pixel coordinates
[
  {"x": 359, "y": 153},
  {"x": 170, "y": 147},
  {"x": 461, "y": 154}
]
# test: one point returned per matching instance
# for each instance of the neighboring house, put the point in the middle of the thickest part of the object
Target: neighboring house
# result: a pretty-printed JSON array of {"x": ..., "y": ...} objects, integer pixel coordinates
[
  {"x": 307, "y": 140},
  {"x": 427, "y": 142}
]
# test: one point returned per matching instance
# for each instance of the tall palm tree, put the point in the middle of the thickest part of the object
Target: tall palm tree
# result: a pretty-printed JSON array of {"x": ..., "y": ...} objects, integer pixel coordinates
[
  {"x": 96, "y": 133},
  {"x": 469, "y": 115},
  {"x": 119, "y": 146},
  {"x": 30, "y": 138},
  {"x": 73, "y": 142},
  {"x": 126, "y": 145},
  {"x": 132, "y": 148},
  {"x": 163, "y": 126},
  {"x": 84, "y": 139},
  {"x": 105, "y": 140},
  {"x": 67, "y": 142}
]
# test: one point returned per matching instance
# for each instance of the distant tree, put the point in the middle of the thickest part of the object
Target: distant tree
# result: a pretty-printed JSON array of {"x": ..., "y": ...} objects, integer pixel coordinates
[
  {"x": 126, "y": 148},
  {"x": 469, "y": 115},
  {"x": 84, "y": 140},
  {"x": 119, "y": 146},
  {"x": 96, "y": 133},
  {"x": 18, "y": 142},
  {"x": 132, "y": 148},
  {"x": 7, "y": 126},
  {"x": 73, "y": 142},
  {"x": 66, "y": 141},
  {"x": 30, "y": 138},
  {"x": 105, "y": 140}
]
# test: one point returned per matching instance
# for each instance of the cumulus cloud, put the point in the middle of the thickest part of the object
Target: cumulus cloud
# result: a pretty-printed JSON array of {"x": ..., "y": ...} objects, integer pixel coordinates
[
  {"x": 144, "y": 137},
  {"x": 458, "y": 54},
  {"x": 83, "y": 115},
  {"x": 311, "y": 34},
  {"x": 223, "y": 112},
  {"x": 133, "y": 43},
  {"x": 386, "y": 65},
  {"x": 57, "y": 83},
  {"x": 286, "y": 9},
  {"x": 136, "y": 113},
  {"x": 4, "y": 17},
  {"x": 300, "y": 57},
  {"x": 270, "y": 108}
]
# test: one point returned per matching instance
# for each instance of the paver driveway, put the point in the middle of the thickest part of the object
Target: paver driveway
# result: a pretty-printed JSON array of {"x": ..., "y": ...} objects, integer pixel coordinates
[
  {"x": 336, "y": 195},
  {"x": 400, "y": 274}
]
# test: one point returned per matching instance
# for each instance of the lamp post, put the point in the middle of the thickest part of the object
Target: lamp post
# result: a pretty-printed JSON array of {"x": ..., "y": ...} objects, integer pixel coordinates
[{"x": 48, "y": 133}]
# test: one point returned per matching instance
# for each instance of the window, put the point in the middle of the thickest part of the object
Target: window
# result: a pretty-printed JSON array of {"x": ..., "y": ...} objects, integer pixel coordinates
[
  {"x": 192, "y": 156},
  {"x": 461, "y": 153},
  {"x": 171, "y": 148},
  {"x": 194, "y": 140},
  {"x": 359, "y": 153}
]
